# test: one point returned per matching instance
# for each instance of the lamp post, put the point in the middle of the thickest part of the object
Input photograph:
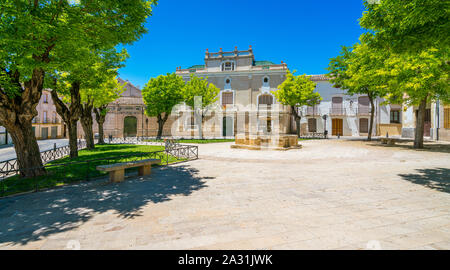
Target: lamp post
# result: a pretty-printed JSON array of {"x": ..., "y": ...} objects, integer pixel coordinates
[{"x": 325, "y": 132}]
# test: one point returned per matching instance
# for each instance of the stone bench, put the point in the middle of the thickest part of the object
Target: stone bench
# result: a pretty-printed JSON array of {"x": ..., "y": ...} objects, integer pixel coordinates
[
  {"x": 117, "y": 170},
  {"x": 389, "y": 141}
]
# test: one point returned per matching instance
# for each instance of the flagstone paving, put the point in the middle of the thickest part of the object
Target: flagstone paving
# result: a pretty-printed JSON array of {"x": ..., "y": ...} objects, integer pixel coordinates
[{"x": 333, "y": 194}]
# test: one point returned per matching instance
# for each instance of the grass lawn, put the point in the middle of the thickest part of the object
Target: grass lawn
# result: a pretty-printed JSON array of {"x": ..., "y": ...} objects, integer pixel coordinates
[
  {"x": 196, "y": 140},
  {"x": 81, "y": 168}
]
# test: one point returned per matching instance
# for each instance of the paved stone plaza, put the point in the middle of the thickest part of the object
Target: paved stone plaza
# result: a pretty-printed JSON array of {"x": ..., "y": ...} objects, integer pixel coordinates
[{"x": 331, "y": 194}]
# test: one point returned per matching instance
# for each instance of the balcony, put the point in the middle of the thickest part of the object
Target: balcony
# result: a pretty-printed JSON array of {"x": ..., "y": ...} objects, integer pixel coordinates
[
  {"x": 363, "y": 110},
  {"x": 38, "y": 120},
  {"x": 264, "y": 107},
  {"x": 337, "y": 111},
  {"x": 312, "y": 111}
]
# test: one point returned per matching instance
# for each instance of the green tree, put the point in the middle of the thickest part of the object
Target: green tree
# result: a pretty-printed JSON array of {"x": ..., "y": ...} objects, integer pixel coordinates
[
  {"x": 297, "y": 91},
  {"x": 110, "y": 91},
  {"x": 75, "y": 90},
  {"x": 200, "y": 95},
  {"x": 160, "y": 95},
  {"x": 407, "y": 26},
  {"x": 412, "y": 31},
  {"x": 416, "y": 80},
  {"x": 35, "y": 37},
  {"x": 355, "y": 71},
  {"x": 98, "y": 73}
]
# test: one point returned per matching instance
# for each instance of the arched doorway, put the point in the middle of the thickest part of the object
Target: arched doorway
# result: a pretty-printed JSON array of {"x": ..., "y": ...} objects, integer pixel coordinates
[{"x": 129, "y": 126}]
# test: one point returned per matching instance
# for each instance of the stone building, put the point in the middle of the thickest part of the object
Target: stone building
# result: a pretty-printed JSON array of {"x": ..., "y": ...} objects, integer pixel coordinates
[
  {"x": 47, "y": 124},
  {"x": 246, "y": 104},
  {"x": 349, "y": 115},
  {"x": 245, "y": 101},
  {"x": 126, "y": 117}
]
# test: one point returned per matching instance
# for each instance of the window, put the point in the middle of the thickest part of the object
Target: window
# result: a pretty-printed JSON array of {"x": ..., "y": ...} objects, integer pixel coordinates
[
  {"x": 363, "y": 125},
  {"x": 265, "y": 99},
  {"x": 227, "y": 98},
  {"x": 228, "y": 66},
  {"x": 54, "y": 118},
  {"x": 227, "y": 83},
  {"x": 265, "y": 82},
  {"x": 45, "y": 117},
  {"x": 45, "y": 98},
  {"x": 395, "y": 116},
  {"x": 312, "y": 125},
  {"x": 446, "y": 117}
]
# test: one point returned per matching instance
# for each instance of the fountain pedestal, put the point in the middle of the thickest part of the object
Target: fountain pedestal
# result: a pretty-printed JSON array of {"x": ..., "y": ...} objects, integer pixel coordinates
[{"x": 266, "y": 142}]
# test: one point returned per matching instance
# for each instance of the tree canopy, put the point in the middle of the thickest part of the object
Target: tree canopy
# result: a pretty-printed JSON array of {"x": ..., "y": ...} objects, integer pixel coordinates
[
  {"x": 407, "y": 26},
  {"x": 297, "y": 91},
  {"x": 162, "y": 93},
  {"x": 200, "y": 87}
]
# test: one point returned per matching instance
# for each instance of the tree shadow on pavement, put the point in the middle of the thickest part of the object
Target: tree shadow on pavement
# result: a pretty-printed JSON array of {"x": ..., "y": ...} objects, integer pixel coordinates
[
  {"x": 438, "y": 179},
  {"x": 33, "y": 216},
  {"x": 428, "y": 147}
]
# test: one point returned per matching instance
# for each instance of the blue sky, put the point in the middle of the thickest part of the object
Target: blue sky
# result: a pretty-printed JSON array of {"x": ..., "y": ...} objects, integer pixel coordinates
[{"x": 304, "y": 34}]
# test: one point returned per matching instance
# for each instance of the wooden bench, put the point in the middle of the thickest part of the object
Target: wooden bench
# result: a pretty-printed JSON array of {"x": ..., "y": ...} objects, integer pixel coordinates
[
  {"x": 117, "y": 170},
  {"x": 389, "y": 141}
]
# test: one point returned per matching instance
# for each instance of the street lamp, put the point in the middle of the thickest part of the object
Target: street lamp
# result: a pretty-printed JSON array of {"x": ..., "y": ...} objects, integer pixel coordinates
[{"x": 325, "y": 132}]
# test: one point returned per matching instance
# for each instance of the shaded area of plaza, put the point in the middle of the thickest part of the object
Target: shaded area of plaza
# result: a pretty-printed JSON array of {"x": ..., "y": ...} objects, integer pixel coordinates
[
  {"x": 438, "y": 179},
  {"x": 29, "y": 217},
  {"x": 331, "y": 194}
]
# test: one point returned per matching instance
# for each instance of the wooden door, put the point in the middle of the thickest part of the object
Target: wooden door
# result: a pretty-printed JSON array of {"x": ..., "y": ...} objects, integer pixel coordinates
[
  {"x": 337, "y": 126},
  {"x": 44, "y": 133},
  {"x": 363, "y": 125}
]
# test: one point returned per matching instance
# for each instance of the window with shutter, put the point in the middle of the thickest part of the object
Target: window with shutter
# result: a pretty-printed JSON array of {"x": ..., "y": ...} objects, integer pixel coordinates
[
  {"x": 227, "y": 98},
  {"x": 446, "y": 117},
  {"x": 312, "y": 125}
]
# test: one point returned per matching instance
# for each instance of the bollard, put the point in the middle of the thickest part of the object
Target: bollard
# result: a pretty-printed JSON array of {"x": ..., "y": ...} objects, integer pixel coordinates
[
  {"x": 54, "y": 146},
  {"x": 339, "y": 135},
  {"x": 387, "y": 135}
]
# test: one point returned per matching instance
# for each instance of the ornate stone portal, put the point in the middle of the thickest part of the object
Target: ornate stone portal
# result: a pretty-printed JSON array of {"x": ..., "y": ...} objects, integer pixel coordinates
[{"x": 266, "y": 141}]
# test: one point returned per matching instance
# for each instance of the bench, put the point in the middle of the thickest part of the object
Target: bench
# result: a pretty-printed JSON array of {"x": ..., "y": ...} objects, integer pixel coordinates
[
  {"x": 117, "y": 170},
  {"x": 389, "y": 141}
]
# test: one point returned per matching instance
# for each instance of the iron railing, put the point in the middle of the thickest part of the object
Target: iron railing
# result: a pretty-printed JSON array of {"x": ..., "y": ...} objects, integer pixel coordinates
[
  {"x": 363, "y": 110},
  {"x": 70, "y": 171},
  {"x": 11, "y": 166},
  {"x": 337, "y": 111}
]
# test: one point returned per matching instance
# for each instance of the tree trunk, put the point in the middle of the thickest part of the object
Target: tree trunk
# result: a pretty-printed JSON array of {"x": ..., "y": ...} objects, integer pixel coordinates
[
  {"x": 420, "y": 123},
  {"x": 70, "y": 115},
  {"x": 87, "y": 123},
  {"x": 100, "y": 116},
  {"x": 161, "y": 121},
  {"x": 73, "y": 143},
  {"x": 16, "y": 115},
  {"x": 372, "y": 115},
  {"x": 27, "y": 150}
]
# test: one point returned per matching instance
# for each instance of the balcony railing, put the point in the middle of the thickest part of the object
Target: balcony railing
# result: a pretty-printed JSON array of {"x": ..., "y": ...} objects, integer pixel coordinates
[
  {"x": 363, "y": 110},
  {"x": 337, "y": 111},
  {"x": 262, "y": 107},
  {"x": 38, "y": 120},
  {"x": 312, "y": 111}
]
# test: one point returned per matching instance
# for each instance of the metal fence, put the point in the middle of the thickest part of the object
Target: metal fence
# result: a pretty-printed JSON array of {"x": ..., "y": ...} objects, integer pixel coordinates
[
  {"x": 85, "y": 170},
  {"x": 11, "y": 167}
]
